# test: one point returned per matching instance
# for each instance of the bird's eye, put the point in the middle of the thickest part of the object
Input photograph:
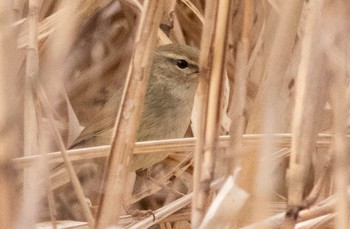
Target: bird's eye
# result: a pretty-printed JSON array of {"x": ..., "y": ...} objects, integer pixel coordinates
[{"x": 182, "y": 64}]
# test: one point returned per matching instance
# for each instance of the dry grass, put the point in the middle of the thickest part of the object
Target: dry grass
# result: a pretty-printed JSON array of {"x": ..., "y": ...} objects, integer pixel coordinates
[{"x": 268, "y": 143}]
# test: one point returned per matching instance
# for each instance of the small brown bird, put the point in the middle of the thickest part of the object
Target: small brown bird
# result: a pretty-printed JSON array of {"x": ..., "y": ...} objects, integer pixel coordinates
[
  {"x": 166, "y": 114},
  {"x": 167, "y": 107}
]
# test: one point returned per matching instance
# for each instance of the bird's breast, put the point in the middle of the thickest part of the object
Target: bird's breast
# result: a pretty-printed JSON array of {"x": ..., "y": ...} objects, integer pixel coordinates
[{"x": 165, "y": 119}]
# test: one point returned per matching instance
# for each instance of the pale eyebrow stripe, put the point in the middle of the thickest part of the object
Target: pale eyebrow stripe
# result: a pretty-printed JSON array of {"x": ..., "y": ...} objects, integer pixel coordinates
[{"x": 174, "y": 56}]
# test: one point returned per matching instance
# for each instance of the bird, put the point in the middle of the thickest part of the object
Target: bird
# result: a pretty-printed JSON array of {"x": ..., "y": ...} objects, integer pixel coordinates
[
  {"x": 167, "y": 106},
  {"x": 166, "y": 113}
]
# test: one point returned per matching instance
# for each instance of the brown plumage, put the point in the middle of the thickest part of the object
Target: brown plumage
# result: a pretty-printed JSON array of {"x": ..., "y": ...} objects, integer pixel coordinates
[
  {"x": 166, "y": 114},
  {"x": 167, "y": 106}
]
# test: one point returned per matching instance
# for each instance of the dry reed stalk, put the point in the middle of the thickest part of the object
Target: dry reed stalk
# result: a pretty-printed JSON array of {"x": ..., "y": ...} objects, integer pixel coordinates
[
  {"x": 213, "y": 50},
  {"x": 163, "y": 38},
  {"x": 178, "y": 33},
  {"x": 340, "y": 147},
  {"x": 194, "y": 9},
  {"x": 270, "y": 110},
  {"x": 276, "y": 221},
  {"x": 311, "y": 86},
  {"x": 32, "y": 72},
  {"x": 238, "y": 97},
  {"x": 10, "y": 117},
  {"x": 248, "y": 55},
  {"x": 190, "y": 24},
  {"x": 239, "y": 90},
  {"x": 168, "y": 23},
  {"x": 45, "y": 28},
  {"x": 336, "y": 49},
  {"x": 67, "y": 162},
  {"x": 31, "y": 122},
  {"x": 128, "y": 117},
  {"x": 52, "y": 71},
  {"x": 169, "y": 145},
  {"x": 135, "y": 3},
  {"x": 323, "y": 208},
  {"x": 201, "y": 103},
  {"x": 256, "y": 67}
]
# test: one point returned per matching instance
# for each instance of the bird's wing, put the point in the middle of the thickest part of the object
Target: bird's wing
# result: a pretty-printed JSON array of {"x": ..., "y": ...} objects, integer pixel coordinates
[{"x": 98, "y": 130}]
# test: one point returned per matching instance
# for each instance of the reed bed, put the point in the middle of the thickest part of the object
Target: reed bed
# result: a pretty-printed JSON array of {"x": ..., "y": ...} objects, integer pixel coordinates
[{"x": 267, "y": 146}]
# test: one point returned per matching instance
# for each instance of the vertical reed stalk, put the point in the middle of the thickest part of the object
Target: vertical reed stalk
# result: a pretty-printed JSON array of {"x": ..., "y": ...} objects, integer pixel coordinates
[
  {"x": 213, "y": 50},
  {"x": 337, "y": 48},
  {"x": 239, "y": 90},
  {"x": 68, "y": 164},
  {"x": 311, "y": 86},
  {"x": 340, "y": 145},
  {"x": 128, "y": 117},
  {"x": 31, "y": 141},
  {"x": 10, "y": 117}
]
